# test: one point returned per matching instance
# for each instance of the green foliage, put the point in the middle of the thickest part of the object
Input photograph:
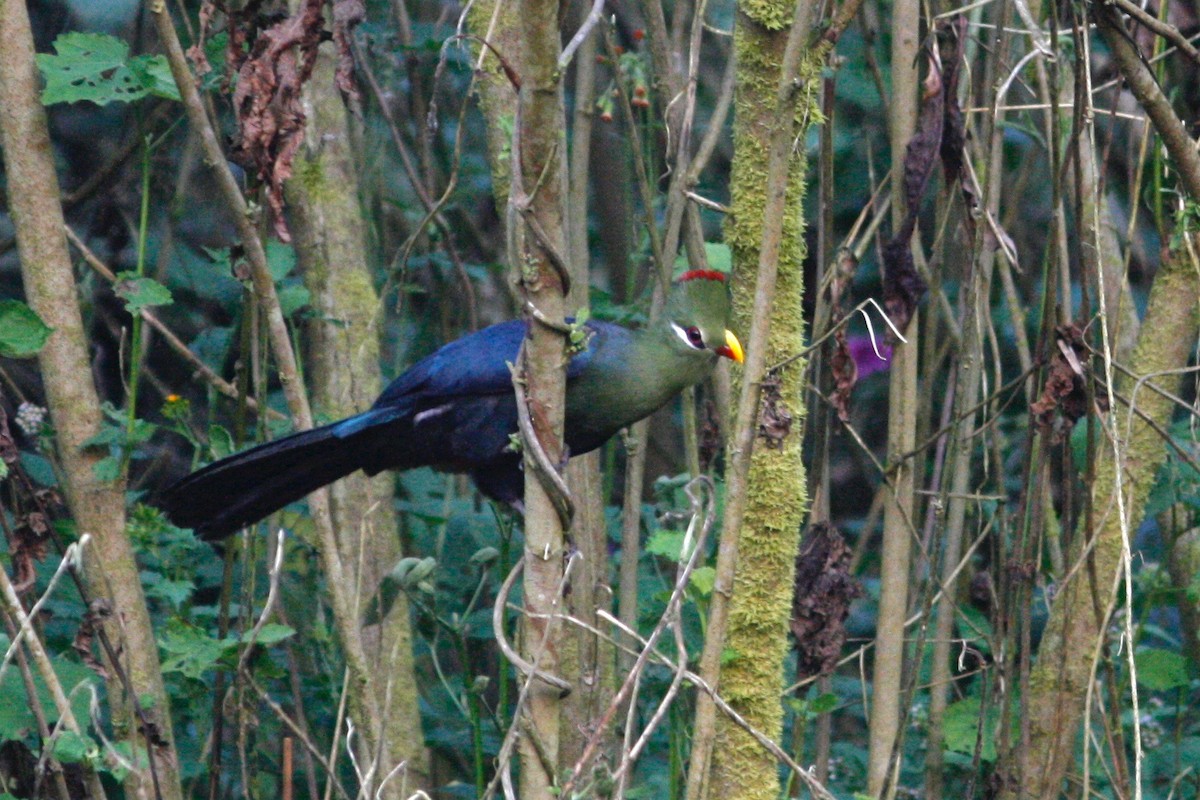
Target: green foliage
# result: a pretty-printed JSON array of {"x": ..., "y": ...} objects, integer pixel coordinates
[
  {"x": 17, "y": 720},
  {"x": 140, "y": 292},
  {"x": 98, "y": 68},
  {"x": 968, "y": 725},
  {"x": 22, "y": 332},
  {"x": 1161, "y": 670},
  {"x": 122, "y": 438}
]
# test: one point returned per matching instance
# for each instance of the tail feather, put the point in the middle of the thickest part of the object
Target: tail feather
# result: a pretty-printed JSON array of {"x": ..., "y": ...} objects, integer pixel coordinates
[{"x": 245, "y": 487}]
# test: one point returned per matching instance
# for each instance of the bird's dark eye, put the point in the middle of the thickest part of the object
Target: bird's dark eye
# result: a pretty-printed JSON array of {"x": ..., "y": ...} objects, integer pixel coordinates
[{"x": 695, "y": 337}]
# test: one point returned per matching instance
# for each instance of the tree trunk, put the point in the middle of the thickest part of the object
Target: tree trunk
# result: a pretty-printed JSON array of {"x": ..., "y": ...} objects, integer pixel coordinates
[
  {"x": 778, "y": 83},
  {"x": 326, "y": 220},
  {"x": 537, "y": 242},
  {"x": 1059, "y": 681},
  {"x": 110, "y": 572},
  {"x": 888, "y": 675}
]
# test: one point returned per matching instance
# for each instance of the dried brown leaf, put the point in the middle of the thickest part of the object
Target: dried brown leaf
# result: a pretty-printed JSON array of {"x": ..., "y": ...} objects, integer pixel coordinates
[
  {"x": 1064, "y": 398},
  {"x": 824, "y": 589},
  {"x": 845, "y": 374},
  {"x": 774, "y": 418},
  {"x": 347, "y": 14},
  {"x": 97, "y": 612},
  {"x": 267, "y": 101}
]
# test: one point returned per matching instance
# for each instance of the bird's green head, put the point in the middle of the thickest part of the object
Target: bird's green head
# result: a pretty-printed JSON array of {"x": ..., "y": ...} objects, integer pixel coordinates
[{"x": 697, "y": 312}]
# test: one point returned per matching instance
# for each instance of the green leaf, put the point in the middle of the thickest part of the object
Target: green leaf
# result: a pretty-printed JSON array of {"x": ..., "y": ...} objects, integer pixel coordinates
[
  {"x": 22, "y": 332},
  {"x": 17, "y": 719},
  {"x": 39, "y": 469},
  {"x": 96, "y": 67},
  {"x": 703, "y": 579},
  {"x": 293, "y": 298},
  {"x": 192, "y": 652},
  {"x": 823, "y": 703},
  {"x": 73, "y": 748},
  {"x": 271, "y": 633},
  {"x": 281, "y": 259},
  {"x": 140, "y": 292},
  {"x": 107, "y": 469},
  {"x": 155, "y": 74},
  {"x": 220, "y": 442},
  {"x": 1161, "y": 670},
  {"x": 719, "y": 256},
  {"x": 961, "y": 728},
  {"x": 667, "y": 544}
]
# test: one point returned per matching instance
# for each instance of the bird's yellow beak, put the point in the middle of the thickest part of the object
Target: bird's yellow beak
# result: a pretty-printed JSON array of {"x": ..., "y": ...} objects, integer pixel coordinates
[{"x": 732, "y": 348}]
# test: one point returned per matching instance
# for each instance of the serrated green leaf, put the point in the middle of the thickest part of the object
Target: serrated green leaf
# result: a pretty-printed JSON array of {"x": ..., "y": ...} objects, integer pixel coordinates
[
  {"x": 90, "y": 66},
  {"x": 192, "y": 652},
  {"x": 22, "y": 332},
  {"x": 961, "y": 728},
  {"x": 140, "y": 292},
  {"x": 1161, "y": 670}
]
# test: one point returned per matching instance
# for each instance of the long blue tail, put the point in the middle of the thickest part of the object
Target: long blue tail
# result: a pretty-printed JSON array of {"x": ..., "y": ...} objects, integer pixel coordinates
[{"x": 239, "y": 490}]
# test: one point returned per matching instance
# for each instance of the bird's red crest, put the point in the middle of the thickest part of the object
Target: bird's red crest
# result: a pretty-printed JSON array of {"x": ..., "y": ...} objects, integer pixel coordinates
[{"x": 702, "y": 274}]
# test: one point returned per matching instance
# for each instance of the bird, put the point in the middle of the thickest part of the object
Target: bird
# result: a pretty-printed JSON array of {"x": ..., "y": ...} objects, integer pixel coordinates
[{"x": 456, "y": 411}]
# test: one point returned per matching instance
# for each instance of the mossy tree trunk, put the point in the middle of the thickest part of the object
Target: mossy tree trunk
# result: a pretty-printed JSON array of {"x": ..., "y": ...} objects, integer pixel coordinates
[
  {"x": 1059, "y": 681},
  {"x": 766, "y": 488},
  {"x": 1126, "y": 466},
  {"x": 344, "y": 373},
  {"x": 98, "y": 508}
]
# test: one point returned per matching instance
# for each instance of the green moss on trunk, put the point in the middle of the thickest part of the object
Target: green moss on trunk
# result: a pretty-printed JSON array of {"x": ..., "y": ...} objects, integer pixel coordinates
[
  {"x": 776, "y": 501},
  {"x": 1059, "y": 681}
]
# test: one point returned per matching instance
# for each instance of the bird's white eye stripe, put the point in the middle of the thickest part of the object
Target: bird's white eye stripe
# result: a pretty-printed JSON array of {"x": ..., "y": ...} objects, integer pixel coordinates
[
  {"x": 691, "y": 336},
  {"x": 682, "y": 334}
]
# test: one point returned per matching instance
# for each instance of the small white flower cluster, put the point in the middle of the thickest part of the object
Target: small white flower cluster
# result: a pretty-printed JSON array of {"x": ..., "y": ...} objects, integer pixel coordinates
[{"x": 30, "y": 418}]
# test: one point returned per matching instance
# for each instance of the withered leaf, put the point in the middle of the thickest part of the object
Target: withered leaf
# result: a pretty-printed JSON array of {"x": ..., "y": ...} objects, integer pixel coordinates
[
  {"x": 86, "y": 636},
  {"x": 845, "y": 374},
  {"x": 824, "y": 589},
  {"x": 347, "y": 14},
  {"x": 1065, "y": 390},
  {"x": 267, "y": 101},
  {"x": 774, "y": 418}
]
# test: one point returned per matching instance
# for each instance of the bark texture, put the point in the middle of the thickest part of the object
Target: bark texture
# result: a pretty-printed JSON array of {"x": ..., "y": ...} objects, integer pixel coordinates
[
  {"x": 327, "y": 223},
  {"x": 896, "y": 550},
  {"x": 111, "y": 574},
  {"x": 1059, "y": 681},
  {"x": 536, "y": 211},
  {"x": 775, "y": 485}
]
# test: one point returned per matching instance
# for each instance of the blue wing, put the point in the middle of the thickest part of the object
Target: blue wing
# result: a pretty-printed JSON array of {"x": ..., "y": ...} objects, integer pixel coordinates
[{"x": 469, "y": 376}]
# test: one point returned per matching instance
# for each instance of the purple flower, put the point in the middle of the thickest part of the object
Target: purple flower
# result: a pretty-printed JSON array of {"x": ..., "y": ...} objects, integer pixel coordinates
[{"x": 864, "y": 355}]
